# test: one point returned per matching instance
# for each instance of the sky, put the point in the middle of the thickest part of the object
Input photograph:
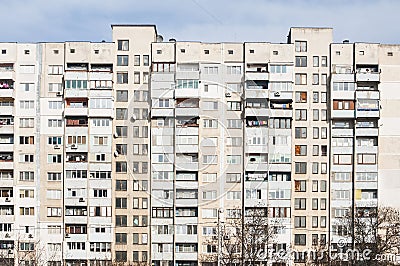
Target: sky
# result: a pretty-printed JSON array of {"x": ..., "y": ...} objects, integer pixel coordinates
[{"x": 199, "y": 20}]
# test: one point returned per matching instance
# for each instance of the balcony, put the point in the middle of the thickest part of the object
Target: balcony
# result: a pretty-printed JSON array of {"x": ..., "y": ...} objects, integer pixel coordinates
[
  {"x": 343, "y": 113},
  {"x": 6, "y": 88},
  {"x": 257, "y": 121},
  {"x": 187, "y": 122},
  {"x": 370, "y": 95},
  {"x": 342, "y": 77},
  {"x": 187, "y": 131},
  {"x": 162, "y": 112},
  {"x": 368, "y": 77},
  {"x": 76, "y": 157},
  {"x": 342, "y": 95},
  {"x": 187, "y": 162},
  {"x": 257, "y": 93},
  {"x": 361, "y": 131},
  {"x": 187, "y": 148},
  {"x": 281, "y": 95},
  {"x": 256, "y": 111},
  {"x": 77, "y": 122},
  {"x": 76, "y": 93},
  {"x": 75, "y": 111},
  {"x": 257, "y": 75},
  {"x": 97, "y": 112},
  {"x": 361, "y": 113},
  {"x": 187, "y": 107},
  {"x": 6, "y": 125},
  {"x": 7, "y": 71}
]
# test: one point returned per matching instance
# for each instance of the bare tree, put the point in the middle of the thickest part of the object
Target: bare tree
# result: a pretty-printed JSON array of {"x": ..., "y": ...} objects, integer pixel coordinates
[
  {"x": 375, "y": 231},
  {"x": 245, "y": 240}
]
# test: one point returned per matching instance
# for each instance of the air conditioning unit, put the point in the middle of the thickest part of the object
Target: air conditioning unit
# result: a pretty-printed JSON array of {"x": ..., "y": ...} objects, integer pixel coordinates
[
  {"x": 59, "y": 93},
  {"x": 74, "y": 146},
  {"x": 8, "y": 200},
  {"x": 81, "y": 200},
  {"x": 57, "y": 147},
  {"x": 277, "y": 94},
  {"x": 7, "y": 235},
  {"x": 228, "y": 94}
]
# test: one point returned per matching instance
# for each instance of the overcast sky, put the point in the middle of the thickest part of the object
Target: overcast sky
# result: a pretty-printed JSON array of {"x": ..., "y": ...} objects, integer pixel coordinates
[{"x": 199, "y": 20}]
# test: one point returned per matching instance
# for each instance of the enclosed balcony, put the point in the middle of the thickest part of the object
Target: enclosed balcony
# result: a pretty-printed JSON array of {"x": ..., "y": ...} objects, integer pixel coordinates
[
  {"x": 76, "y": 88},
  {"x": 76, "y": 107},
  {"x": 6, "y": 124},
  {"x": 80, "y": 157},
  {"x": 256, "y": 107},
  {"x": 7, "y": 71},
  {"x": 187, "y": 88},
  {"x": 77, "y": 122},
  {"x": 187, "y": 121},
  {"x": 257, "y": 121},
  {"x": 257, "y": 72},
  {"x": 6, "y": 106},
  {"x": 6, "y": 160},
  {"x": 187, "y": 107},
  {"x": 368, "y": 108},
  {"x": 367, "y": 73},
  {"x": 187, "y": 161}
]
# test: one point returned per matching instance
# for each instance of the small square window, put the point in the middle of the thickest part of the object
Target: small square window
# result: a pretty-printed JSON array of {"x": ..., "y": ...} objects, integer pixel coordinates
[
  {"x": 206, "y": 51},
  {"x": 230, "y": 51},
  {"x": 27, "y": 52},
  {"x": 390, "y": 53},
  {"x": 4, "y": 51},
  {"x": 361, "y": 52},
  {"x": 72, "y": 51},
  {"x": 183, "y": 51},
  {"x": 337, "y": 52},
  {"x": 251, "y": 51},
  {"x": 96, "y": 51},
  {"x": 275, "y": 52},
  {"x": 159, "y": 52},
  {"x": 56, "y": 52}
]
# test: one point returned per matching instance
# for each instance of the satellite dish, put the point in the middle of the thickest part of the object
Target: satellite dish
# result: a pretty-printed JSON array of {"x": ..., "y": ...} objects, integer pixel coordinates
[
  {"x": 116, "y": 154},
  {"x": 133, "y": 118},
  {"x": 116, "y": 135}
]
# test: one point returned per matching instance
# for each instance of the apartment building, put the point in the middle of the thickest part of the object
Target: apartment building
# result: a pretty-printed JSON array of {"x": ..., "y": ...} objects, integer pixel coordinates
[{"x": 148, "y": 151}]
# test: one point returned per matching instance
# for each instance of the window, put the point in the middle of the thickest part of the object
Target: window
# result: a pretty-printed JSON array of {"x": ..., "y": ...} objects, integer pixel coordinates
[
  {"x": 315, "y": 79},
  {"x": 300, "y": 150},
  {"x": 343, "y": 86},
  {"x": 315, "y": 61},
  {"x": 300, "y": 221},
  {"x": 366, "y": 158},
  {"x": 26, "y": 140},
  {"x": 324, "y": 132},
  {"x": 315, "y": 114},
  {"x": 301, "y": 168},
  {"x": 122, "y": 95},
  {"x": 300, "y": 132},
  {"x": 210, "y": 159},
  {"x": 122, "y": 131},
  {"x": 300, "y": 186},
  {"x": 278, "y": 69},
  {"x": 26, "y": 193},
  {"x": 301, "y": 96},
  {"x": 342, "y": 159},
  {"x": 234, "y": 123},
  {"x": 210, "y": 123},
  {"x": 343, "y": 105},
  {"x": 300, "y": 46},
  {"x": 301, "y": 114},
  {"x": 315, "y": 132},
  {"x": 122, "y": 60},
  {"x": 301, "y": 79},
  {"x": 122, "y": 77},
  {"x": 210, "y": 70},
  {"x": 54, "y": 158},
  {"x": 324, "y": 61},
  {"x": 323, "y": 97},
  {"x": 234, "y": 70},
  {"x": 233, "y": 195},
  {"x": 55, "y": 70},
  {"x": 300, "y": 204},
  {"x": 301, "y": 61},
  {"x": 234, "y": 106},
  {"x": 26, "y": 122},
  {"x": 123, "y": 45},
  {"x": 53, "y": 176},
  {"x": 233, "y": 177},
  {"x": 187, "y": 84},
  {"x": 233, "y": 159},
  {"x": 120, "y": 167},
  {"x": 146, "y": 61},
  {"x": 323, "y": 79},
  {"x": 315, "y": 166},
  {"x": 26, "y": 211},
  {"x": 136, "y": 60}
]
